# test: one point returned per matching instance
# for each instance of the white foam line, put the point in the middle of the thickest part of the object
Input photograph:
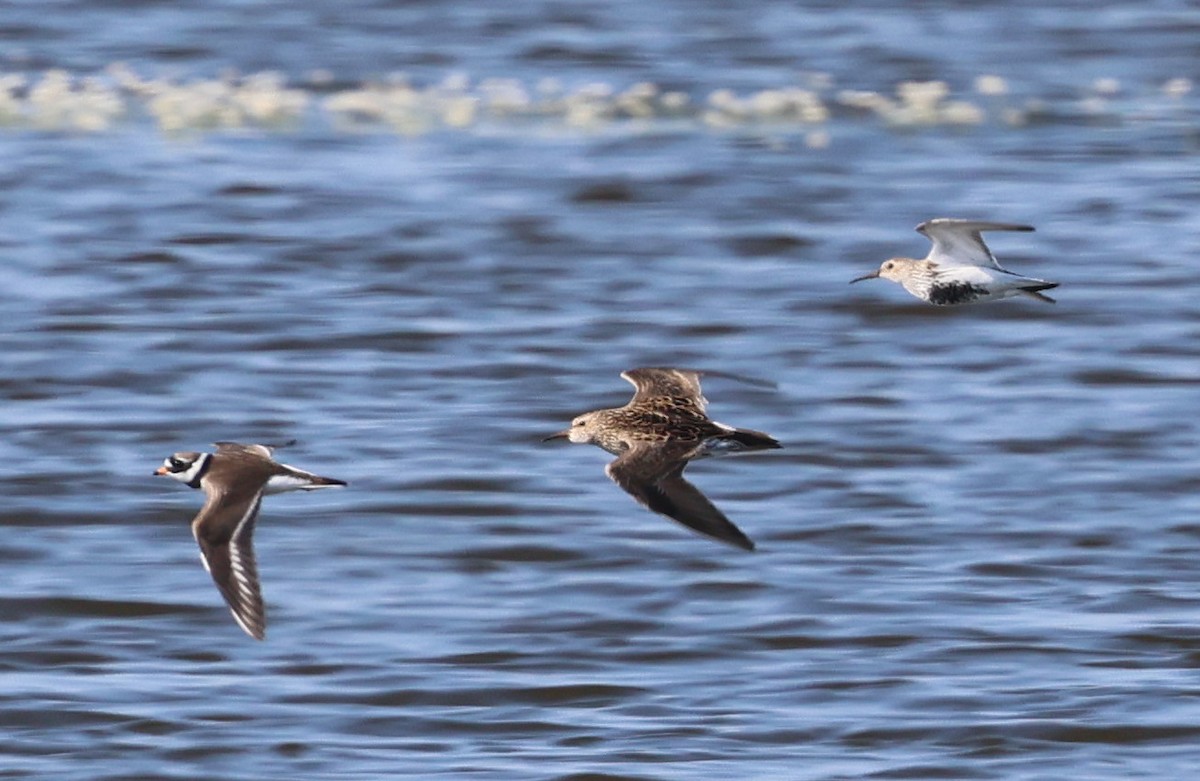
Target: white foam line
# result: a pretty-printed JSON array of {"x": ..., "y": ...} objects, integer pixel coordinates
[{"x": 58, "y": 100}]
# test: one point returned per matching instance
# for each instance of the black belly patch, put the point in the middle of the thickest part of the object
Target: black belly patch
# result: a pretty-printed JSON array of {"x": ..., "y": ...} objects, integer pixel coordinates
[{"x": 955, "y": 293}]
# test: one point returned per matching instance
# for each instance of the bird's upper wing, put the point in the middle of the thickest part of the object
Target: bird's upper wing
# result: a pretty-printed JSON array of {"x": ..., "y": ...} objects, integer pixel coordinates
[
  {"x": 237, "y": 448},
  {"x": 653, "y": 474},
  {"x": 680, "y": 385},
  {"x": 959, "y": 243},
  {"x": 224, "y": 530}
]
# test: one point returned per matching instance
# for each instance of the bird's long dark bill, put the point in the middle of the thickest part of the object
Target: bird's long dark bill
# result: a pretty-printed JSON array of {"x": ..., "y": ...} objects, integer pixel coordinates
[
  {"x": 872, "y": 275},
  {"x": 559, "y": 435}
]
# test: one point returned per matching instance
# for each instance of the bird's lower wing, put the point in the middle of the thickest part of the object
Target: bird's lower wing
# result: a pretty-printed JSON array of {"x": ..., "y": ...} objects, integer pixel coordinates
[
  {"x": 227, "y": 549},
  {"x": 673, "y": 496}
]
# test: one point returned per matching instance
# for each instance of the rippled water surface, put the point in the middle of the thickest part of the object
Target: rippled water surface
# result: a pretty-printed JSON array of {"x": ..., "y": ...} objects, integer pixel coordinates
[{"x": 977, "y": 552}]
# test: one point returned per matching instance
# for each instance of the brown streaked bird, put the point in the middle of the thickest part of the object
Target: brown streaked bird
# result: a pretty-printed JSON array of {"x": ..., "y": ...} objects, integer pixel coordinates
[
  {"x": 960, "y": 269},
  {"x": 235, "y": 479},
  {"x": 655, "y": 436}
]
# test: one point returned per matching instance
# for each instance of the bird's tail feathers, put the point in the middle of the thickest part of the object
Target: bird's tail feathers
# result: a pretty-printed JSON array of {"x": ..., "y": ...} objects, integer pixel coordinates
[
  {"x": 1034, "y": 291},
  {"x": 316, "y": 481},
  {"x": 749, "y": 439}
]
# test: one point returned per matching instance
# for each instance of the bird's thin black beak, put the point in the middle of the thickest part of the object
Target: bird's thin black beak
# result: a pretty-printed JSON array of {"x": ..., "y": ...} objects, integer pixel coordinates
[
  {"x": 872, "y": 275},
  {"x": 560, "y": 435}
]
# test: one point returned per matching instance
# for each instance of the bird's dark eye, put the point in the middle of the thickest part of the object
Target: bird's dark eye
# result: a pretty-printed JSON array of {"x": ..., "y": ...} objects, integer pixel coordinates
[
  {"x": 577, "y": 423},
  {"x": 888, "y": 265},
  {"x": 177, "y": 463}
]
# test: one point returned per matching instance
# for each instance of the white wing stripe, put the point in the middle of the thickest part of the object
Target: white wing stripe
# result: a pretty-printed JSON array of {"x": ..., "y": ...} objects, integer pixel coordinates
[{"x": 237, "y": 566}]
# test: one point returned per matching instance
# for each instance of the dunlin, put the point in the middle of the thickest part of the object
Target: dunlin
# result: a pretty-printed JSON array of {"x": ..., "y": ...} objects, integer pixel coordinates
[
  {"x": 655, "y": 436},
  {"x": 235, "y": 479},
  {"x": 960, "y": 269}
]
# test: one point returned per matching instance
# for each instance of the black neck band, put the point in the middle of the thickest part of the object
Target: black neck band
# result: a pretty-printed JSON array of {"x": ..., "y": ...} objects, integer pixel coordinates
[{"x": 195, "y": 481}]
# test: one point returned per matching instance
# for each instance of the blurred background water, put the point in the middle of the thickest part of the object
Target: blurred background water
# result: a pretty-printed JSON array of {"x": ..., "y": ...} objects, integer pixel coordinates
[{"x": 418, "y": 237}]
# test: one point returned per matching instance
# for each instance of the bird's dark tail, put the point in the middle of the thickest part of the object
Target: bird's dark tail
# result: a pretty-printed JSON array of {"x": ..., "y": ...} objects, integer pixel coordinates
[
  {"x": 1034, "y": 291},
  {"x": 316, "y": 481},
  {"x": 749, "y": 439}
]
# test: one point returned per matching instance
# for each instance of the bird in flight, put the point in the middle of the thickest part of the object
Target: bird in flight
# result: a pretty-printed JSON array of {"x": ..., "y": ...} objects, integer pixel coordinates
[
  {"x": 960, "y": 269},
  {"x": 655, "y": 436}
]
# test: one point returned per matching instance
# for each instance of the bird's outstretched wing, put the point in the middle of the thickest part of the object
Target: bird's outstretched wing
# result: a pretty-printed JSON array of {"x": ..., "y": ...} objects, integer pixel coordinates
[
  {"x": 224, "y": 530},
  {"x": 237, "y": 448},
  {"x": 959, "y": 243},
  {"x": 653, "y": 475},
  {"x": 678, "y": 384}
]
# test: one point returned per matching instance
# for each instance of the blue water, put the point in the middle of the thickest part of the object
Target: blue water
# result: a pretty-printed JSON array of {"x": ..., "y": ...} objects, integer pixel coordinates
[{"x": 976, "y": 552}]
